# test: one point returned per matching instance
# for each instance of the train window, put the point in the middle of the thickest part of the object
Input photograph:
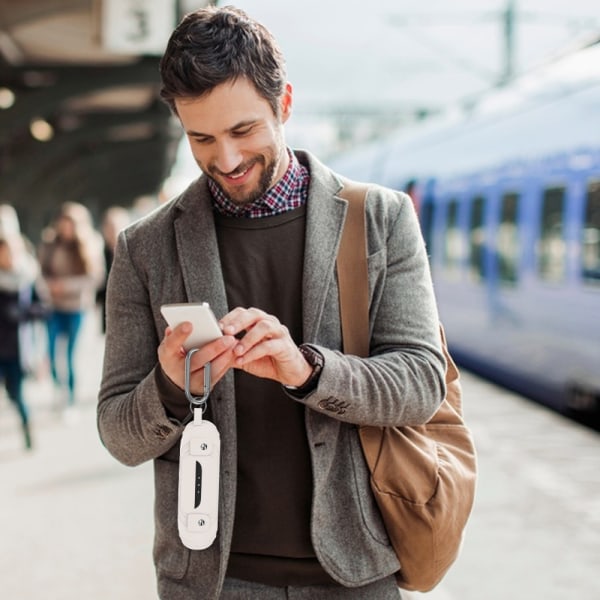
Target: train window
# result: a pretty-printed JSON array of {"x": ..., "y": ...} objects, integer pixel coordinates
[
  {"x": 551, "y": 244},
  {"x": 591, "y": 235},
  {"x": 477, "y": 239},
  {"x": 452, "y": 246},
  {"x": 508, "y": 239}
]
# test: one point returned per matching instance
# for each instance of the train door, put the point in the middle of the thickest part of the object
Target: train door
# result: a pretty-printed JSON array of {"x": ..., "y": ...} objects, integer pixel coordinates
[
  {"x": 550, "y": 245},
  {"x": 508, "y": 239},
  {"x": 477, "y": 239},
  {"x": 426, "y": 217},
  {"x": 452, "y": 240}
]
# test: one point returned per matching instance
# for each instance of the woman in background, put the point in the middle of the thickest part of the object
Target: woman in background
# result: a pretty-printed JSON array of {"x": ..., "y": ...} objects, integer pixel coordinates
[
  {"x": 19, "y": 306},
  {"x": 72, "y": 265}
]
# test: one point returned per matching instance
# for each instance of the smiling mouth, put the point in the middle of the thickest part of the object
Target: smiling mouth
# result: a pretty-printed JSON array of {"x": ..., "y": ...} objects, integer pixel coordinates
[{"x": 237, "y": 175}]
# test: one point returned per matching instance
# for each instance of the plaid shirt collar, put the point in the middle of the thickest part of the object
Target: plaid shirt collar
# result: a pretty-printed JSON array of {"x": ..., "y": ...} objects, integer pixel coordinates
[{"x": 290, "y": 192}]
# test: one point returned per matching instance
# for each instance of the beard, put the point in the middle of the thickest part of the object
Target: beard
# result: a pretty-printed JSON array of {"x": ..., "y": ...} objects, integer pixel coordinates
[{"x": 242, "y": 197}]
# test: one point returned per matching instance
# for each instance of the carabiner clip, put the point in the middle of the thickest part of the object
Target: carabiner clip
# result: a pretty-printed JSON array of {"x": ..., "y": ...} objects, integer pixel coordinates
[{"x": 196, "y": 401}]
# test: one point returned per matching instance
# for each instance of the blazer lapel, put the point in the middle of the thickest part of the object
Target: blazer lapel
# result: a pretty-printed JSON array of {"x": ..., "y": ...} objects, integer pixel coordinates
[
  {"x": 198, "y": 250},
  {"x": 324, "y": 221}
]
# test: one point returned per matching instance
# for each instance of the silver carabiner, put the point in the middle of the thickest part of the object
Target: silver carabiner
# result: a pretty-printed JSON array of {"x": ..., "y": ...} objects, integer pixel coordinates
[{"x": 196, "y": 401}]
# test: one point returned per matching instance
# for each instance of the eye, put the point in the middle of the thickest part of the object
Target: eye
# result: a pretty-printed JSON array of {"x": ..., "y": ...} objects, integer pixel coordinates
[
  {"x": 242, "y": 131},
  {"x": 197, "y": 139}
]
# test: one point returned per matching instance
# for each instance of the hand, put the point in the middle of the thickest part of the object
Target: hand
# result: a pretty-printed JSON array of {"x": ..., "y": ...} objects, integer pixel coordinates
[
  {"x": 171, "y": 356},
  {"x": 266, "y": 349}
]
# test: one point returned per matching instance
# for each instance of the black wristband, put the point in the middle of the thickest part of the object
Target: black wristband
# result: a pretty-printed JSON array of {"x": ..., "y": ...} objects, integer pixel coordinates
[{"x": 315, "y": 359}]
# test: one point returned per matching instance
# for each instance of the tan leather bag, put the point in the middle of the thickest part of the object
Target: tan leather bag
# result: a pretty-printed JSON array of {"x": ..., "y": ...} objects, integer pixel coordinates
[{"x": 423, "y": 477}]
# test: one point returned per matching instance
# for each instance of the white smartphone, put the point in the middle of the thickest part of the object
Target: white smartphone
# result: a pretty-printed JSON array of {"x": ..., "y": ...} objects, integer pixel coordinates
[{"x": 205, "y": 327}]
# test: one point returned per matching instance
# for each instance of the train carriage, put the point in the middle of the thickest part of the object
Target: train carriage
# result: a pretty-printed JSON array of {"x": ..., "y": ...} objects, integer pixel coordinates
[{"x": 510, "y": 211}]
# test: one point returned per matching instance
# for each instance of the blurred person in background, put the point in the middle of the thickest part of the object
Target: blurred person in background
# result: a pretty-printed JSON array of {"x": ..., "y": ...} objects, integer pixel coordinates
[
  {"x": 115, "y": 219},
  {"x": 411, "y": 188},
  {"x": 20, "y": 306},
  {"x": 70, "y": 255},
  {"x": 9, "y": 224},
  {"x": 9, "y": 221}
]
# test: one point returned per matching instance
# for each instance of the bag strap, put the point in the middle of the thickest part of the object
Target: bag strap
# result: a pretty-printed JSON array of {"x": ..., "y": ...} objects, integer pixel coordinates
[{"x": 353, "y": 276}]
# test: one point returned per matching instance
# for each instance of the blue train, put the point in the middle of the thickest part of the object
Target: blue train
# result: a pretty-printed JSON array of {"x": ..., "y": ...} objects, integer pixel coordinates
[{"x": 509, "y": 204}]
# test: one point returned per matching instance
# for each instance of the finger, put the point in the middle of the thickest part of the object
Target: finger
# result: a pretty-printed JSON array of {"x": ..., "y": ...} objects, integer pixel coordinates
[
  {"x": 211, "y": 352},
  {"x": 175, "y": 337},
  {"x": 170, "y": 349},
  {"x": 269, "y": 328},
  {"x": 266, "y": 349},
  {"x": 241, "y": 319},
  {"x": 171, "y": 356},
  {"x": 219, "y": 365}
]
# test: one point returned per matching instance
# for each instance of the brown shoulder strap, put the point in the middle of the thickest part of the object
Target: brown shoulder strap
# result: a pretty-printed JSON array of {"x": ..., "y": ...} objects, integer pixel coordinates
[{"x": 353, "y": 276}]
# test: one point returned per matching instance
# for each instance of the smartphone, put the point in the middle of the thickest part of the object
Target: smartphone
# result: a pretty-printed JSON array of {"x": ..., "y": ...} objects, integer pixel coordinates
[{"x": 205, "y": 327}]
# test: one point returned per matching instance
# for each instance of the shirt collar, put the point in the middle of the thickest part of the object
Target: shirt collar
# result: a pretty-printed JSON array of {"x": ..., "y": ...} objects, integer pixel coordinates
[{"x": 290, "y": 192}]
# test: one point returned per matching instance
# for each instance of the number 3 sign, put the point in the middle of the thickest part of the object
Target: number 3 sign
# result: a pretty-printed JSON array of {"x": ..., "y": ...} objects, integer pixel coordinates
[{"x": 137, "y": 26}]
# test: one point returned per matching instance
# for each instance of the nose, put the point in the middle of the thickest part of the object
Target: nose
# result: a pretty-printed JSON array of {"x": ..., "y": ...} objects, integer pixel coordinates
[{"x": 229, "y": 156}]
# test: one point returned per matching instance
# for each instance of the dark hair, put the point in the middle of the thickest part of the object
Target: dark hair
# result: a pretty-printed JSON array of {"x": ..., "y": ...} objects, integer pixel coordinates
[{"x": 212, "y": 46}]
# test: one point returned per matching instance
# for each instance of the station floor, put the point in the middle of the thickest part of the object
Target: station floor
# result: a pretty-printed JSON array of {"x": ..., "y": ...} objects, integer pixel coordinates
[{"x": 76, "y": 524}]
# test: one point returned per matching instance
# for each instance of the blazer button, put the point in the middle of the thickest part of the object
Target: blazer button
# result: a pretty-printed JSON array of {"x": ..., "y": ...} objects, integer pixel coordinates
[
  {"x": 162, "y": 432},
  {"x": 334, "y": 405}
]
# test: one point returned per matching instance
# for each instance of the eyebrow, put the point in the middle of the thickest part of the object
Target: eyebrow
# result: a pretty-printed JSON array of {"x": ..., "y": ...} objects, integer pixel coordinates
[{"x": 239, "y": 125}]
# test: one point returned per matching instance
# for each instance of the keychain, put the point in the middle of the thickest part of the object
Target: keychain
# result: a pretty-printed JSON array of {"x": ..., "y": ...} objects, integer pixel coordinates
[{"x": 199, "y": 458}]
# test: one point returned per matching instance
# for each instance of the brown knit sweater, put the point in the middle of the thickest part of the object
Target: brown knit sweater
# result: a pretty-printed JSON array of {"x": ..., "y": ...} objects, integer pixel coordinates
[{"x": 262, "y": 266}]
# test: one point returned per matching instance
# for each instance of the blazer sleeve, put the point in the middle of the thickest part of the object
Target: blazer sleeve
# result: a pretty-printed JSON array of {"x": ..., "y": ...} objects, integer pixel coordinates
[
  {"x": 132, "y": 420},
  {"x": 402, "y": 382}
]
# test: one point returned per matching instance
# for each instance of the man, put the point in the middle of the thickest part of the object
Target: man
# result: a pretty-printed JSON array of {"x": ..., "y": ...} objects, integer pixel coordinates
[{"x": 256, "y": 236}]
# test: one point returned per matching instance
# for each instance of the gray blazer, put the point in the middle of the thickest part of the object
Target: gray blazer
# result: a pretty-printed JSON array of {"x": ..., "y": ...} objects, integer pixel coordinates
[{"x": 172, "y": 256}]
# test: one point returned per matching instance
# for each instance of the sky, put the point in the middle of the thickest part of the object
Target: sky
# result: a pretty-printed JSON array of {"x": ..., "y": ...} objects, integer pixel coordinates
[
  {"x": 385, "y": 53},
  {"x": 349, "y": 60}
]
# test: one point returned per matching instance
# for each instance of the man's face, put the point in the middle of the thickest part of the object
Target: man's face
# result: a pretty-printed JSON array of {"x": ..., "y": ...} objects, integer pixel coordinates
[{"x": 236, "y": 139}]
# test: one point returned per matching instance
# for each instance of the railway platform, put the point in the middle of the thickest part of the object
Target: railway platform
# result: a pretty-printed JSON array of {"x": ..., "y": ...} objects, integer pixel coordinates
[{"x": 76, "y": 524}]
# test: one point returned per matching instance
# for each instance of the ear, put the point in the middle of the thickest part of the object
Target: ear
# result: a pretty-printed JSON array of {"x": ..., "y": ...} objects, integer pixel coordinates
[{"x": 286, "y": 103}]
